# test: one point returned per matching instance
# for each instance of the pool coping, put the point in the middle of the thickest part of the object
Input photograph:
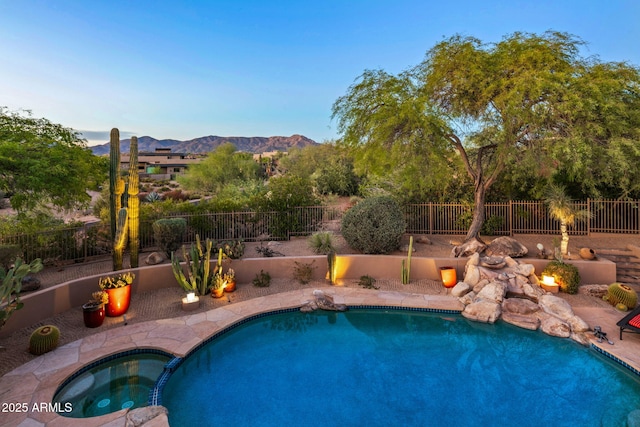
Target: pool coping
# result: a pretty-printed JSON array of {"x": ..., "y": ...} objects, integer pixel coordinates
[{"x": 36, "y": 382}]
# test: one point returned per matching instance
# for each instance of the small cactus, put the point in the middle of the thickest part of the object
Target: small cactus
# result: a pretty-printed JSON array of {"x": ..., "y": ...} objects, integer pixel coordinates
[
  {"x": 618, "y": 293},
  {"x": 406, "y": 264},
  {"x": 44, "y": 339}
]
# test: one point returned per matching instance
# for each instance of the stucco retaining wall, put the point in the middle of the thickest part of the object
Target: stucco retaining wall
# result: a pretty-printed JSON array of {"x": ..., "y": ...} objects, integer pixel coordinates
[{"x": 53, "y": 300}]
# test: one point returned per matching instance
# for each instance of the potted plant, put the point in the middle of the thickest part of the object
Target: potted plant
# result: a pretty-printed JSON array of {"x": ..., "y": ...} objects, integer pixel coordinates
[
  {"x": 93, "y": 311},
  {"x": 219, "y": 283},
  {"x": 118, "y": 288},
  {"x": 230, "y": 278}
]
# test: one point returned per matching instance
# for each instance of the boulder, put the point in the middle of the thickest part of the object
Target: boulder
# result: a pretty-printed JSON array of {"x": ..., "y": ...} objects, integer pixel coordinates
[
  {"x": 555, "y": 327},
  {"x": 325, "y": 302},
  {"x": 494, "y": 262},
  {"x": 468, "y": 298},
  {"x": 519, "y": 306},
  {"x": 423, "y": 239},
  {"x": 154, "y": 258},
  {"x": 471, "y": 274},
  {"x": 525, "y": 270},
  {"x": 460, "y": 289},
  {"x": 481, "y": 284},
  {"x": 30, "y": 283},
  {"x": 506, "y": 246},
  {"x": 494, "y": 291},
  {"x": 468, "y": 248},
  {"x": 556, "y": 306},
  {"x": 523, "y": 321},
  {"x": 581, "y": 338},
  {"x": 482, "y": 311},
  {"x": 577, "y": 324}
]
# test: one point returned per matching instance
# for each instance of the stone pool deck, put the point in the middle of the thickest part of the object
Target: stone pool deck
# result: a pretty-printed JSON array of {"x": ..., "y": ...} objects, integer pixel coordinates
[{"x": 35, "y": 382}]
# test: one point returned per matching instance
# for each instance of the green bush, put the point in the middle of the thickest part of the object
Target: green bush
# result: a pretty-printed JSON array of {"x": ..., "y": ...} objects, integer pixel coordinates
[
  {"x": 168, "y": 233},
  {"x": 489, "y": 228},
  {"x": 374, "y": 226},
  {"x": 565, "y": 275}
]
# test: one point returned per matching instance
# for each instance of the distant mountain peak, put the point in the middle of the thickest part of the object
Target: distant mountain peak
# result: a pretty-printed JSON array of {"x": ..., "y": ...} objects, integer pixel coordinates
[{"x": 205, "y": 144}]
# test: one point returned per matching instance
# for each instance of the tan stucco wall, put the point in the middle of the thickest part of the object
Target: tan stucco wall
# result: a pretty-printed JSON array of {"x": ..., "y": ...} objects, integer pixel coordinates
[{"x": 57, "y": 299}]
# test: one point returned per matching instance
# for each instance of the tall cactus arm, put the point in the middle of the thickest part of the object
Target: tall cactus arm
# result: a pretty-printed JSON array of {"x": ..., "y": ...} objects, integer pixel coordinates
[
  {"x": 133, "y": 204},
  {"x": 114, "y": 176},
  {"x": 178, "y": 273},
  {"x": 120, "y": 241}
]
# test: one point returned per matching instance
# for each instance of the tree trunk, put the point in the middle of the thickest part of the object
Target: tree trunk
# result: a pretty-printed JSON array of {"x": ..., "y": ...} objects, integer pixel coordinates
[
  {"x": 564, "y": 244},
  {"x": 478, "y": 215},
  {"x": 472, "y": 242}
]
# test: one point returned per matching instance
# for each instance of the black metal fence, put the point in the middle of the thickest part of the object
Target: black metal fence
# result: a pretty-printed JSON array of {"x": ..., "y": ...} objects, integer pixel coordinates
[{"x": 78, "y": 244}]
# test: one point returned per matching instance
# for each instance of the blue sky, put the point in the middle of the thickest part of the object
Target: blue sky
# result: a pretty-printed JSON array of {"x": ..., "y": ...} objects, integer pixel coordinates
[{"x": 181, "y": 70}]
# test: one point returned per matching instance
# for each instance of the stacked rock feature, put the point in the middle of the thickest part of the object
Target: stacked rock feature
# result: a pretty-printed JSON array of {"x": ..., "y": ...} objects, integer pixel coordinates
[{"x": 500, "y": 287}]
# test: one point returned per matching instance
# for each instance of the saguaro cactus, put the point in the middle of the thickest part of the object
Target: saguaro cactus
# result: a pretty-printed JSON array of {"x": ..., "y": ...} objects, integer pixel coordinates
[
  {"x": 133, "y": 203},
  {"x": 114, "y": 177},
  {"x": 125, "y": 205}
]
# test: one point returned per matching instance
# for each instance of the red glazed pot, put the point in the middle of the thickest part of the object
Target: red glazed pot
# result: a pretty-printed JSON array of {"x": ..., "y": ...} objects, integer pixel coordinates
[{"x": 93, "y": 315}]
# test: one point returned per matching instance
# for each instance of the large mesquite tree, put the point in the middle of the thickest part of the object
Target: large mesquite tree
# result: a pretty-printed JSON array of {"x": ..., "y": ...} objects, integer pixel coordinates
[{"x": 529, "y": 101}]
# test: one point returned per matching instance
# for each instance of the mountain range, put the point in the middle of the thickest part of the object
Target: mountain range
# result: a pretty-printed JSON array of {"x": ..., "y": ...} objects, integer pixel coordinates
[{"x": 205, "y": 144}]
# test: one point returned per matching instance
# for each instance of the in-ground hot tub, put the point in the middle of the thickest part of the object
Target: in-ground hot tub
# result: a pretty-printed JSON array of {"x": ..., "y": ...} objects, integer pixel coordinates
[{"x": 117, "y": 382}]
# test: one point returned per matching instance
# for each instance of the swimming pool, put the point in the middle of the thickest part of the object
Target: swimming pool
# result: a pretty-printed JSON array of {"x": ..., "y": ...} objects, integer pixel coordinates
[
  {"x": 117, "y": 382},
  {"x": 387, "y": 367}
]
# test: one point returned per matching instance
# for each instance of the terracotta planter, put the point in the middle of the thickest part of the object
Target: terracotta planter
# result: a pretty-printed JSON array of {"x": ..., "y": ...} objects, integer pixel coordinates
[
  {"x": 448, "y": 275},
  {"x": 119, "y": 299},
  {"x": 587, "y": 253},
  {"x": 93, "y": 315},
  {"x": 231, "y": 286},
  {"x": 217, "y": 293}
]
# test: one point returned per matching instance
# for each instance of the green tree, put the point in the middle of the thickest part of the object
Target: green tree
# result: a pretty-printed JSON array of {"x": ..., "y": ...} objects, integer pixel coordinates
[
  {"x": 329, "y": 167},
  {"x": 529, "y": 101},
  {"x": 43, "y": 163},
  {"x": 222, "y": 166}
]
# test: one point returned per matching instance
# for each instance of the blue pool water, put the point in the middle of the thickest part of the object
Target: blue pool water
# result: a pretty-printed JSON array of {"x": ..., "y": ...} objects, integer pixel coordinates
[
  {"x": 110, "y": 385},
  {"x": 384, "y": 368}
]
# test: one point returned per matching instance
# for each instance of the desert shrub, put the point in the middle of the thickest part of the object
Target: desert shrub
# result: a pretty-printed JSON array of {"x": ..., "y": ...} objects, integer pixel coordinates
[
  {"x": 565, "y": 275},
  {"x": 176, "y": 195},
  {"x": 367, "y": 282},
  {"x": 262, "y": 279},
  {"x": 232, "y": 249},
  {"x": 374, "y": 226},
  {"x": 489, "y": 228},
  {"x": 321, "y": 242},
  {"x": 168, "y": 233},
  {"x": 303, "y": 272}
]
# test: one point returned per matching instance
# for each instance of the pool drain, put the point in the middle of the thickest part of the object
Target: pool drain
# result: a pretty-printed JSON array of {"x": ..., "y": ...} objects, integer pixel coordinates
[{"x": 127, "y": 404}]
